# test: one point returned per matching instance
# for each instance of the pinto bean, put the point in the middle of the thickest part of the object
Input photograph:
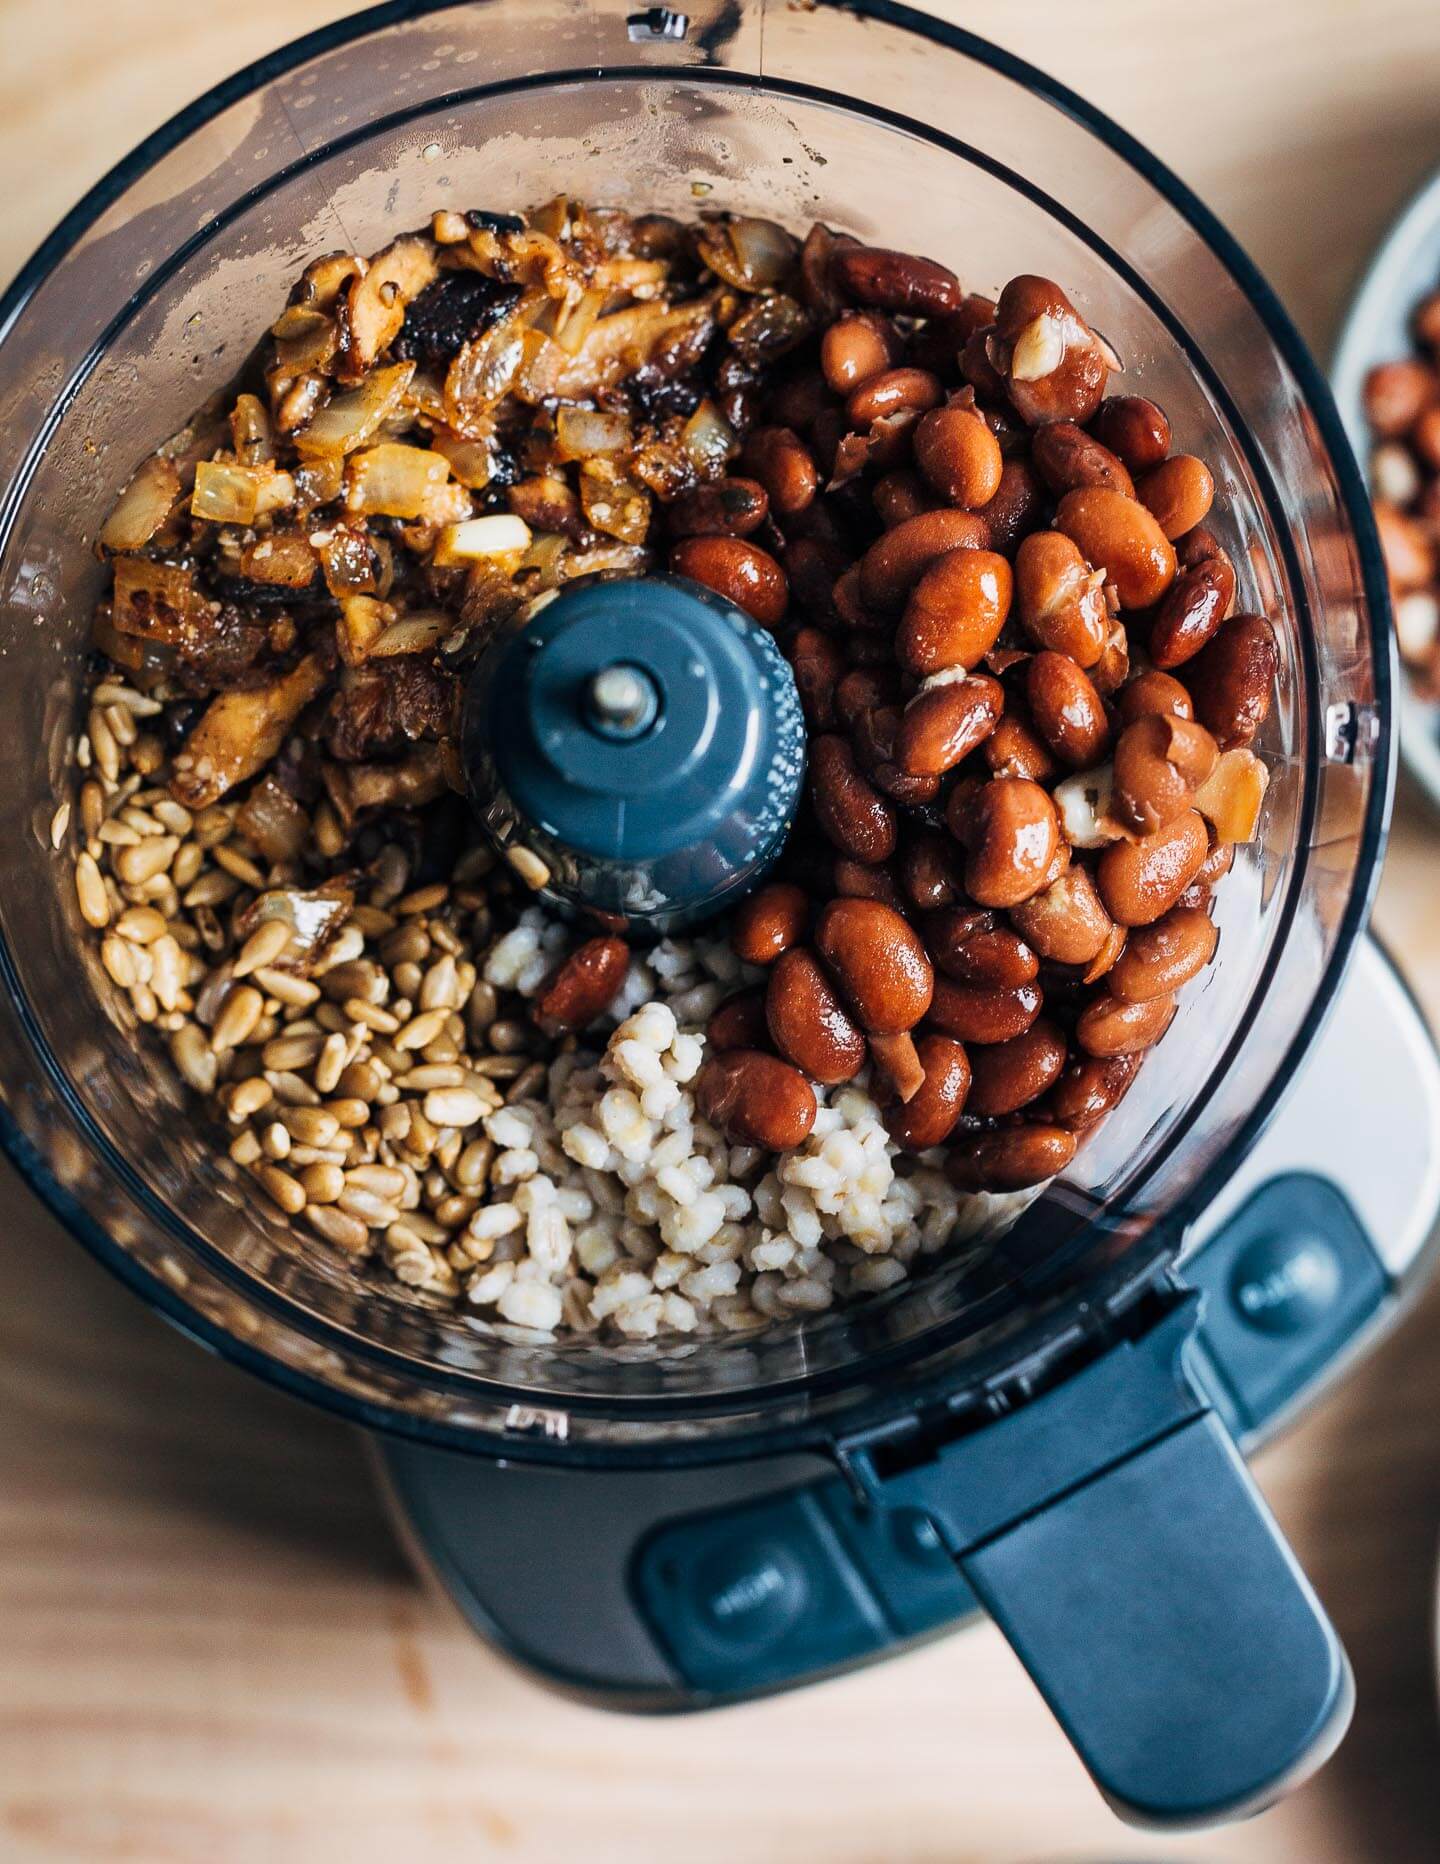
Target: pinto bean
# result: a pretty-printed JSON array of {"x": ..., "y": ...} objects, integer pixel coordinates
[
  {"x": 827, "y": 431},
  {"x": 739, "y": 1022},
  {"x": 728, "y": 508},
  {"x": 930, "y": 869},
  {"x": 876, "y": 732},
  {"x": 959, "y": 455},
  {"x": 861, "y": 690},
  {"x": 584, "y": 986},
  {"x": 944, "y": 723},
  {"x": 902, "y": 494},
  {"x": 983, "y": 1013},
  {"x": 1067, "y": 710},
  {"x": 769, "y": 922},
  {"x": 1159, "y": 958},
  {"x": 852, "y": 814},
  {"x": 756, "y": 1099},
  {"x": 782, "y": 463},
  {"x": 974, "y": 948},
  {"x": 928, "y": 1117},
  {"x": 813, "y": 565},
  {"x": 976, "y": 367},
  {"x": 878, "y": 962},
  {"x": 1217, "y": 863},
  {"x": 895, "y": 563},
  {"x": 1066, "y": 456},
  {"x": 1109, "y": 1027},
  {"x": 1153, "y": 693},
  {"x": 1134, "y": 429},
  {"x": 1198, "y": 546},
  {"x": 936, "y": 344},
  {"x": 1117, "y": 534},
  {"x": 893, "y": 391},
  {"x": 1006, "y": 1076},
  {"x": 846, "y": 601},
  {"x": 1015, "y": 749},
  {"x": 854, "y": 880},
  {"x": 801, "y": 400},
  {"x": 1160, "y": 762},
  {"x": 1015, "y": 509},
  {"x": 1089, "y": 1087},
  {"x": 1060, "y": 599},
  {"x": 1192, "y": 612},
  {"x": 955, "y": 612},
  {"x": 741, "y": 572},
  {"x": 818, "y": 664},
  {"x": 1066, "y": 922},
  {"x": 1104, "y": 959},
  {"x": 1011, "y": 834},
  {"x": 1012, "y": 1159},
  {"x": 855, "y": 347},
  {"x": 808, "y": 1022},
  {"x": 1053, "y": 365},
  {"x": 1140, "y": 881},
  {"x": 1232, "y": 681},
  {"x": 1059, "y": 862},
  {"x": 872, "y": 648},
  {"x": 896, "y": 281},
  {"x": 1178, "y": 493}
]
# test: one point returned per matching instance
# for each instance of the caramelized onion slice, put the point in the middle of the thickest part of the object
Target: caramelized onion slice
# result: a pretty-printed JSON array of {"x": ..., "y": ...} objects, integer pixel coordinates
[
  {"x": 143, "y": 507},
  {"x": 229, "y": 494},
  {"x": 347, "y": 421},
  {"x": 394, "y": 480}
]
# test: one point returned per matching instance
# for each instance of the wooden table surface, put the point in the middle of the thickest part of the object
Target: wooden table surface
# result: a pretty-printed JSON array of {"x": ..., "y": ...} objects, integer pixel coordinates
[{"x": 211, "y": 1649}]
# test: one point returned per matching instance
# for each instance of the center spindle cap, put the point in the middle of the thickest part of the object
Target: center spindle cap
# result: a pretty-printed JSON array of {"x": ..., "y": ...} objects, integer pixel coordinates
[
  {"x": 643, "y": 737},
  {"x": 622, "y": 701}
]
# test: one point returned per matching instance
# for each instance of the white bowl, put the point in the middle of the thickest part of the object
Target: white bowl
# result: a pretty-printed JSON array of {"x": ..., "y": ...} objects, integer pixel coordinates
[{"x": 1377, "y": 329}]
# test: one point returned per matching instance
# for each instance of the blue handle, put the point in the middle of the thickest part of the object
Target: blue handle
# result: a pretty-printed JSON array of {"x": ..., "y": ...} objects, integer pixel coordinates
[
  {"x": 1112, "y": 1531},
  {"x": 1168, "y": 1626}
]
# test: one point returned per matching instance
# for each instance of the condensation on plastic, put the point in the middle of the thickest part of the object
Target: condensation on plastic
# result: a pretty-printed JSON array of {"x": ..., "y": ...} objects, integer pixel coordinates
[{"x": 791, "y": 112}]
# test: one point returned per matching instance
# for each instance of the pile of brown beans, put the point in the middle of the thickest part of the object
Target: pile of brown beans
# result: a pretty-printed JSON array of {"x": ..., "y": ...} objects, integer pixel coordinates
[
  {"x": 990, "y": 580},
  {"x": 1402, "y": 405}
]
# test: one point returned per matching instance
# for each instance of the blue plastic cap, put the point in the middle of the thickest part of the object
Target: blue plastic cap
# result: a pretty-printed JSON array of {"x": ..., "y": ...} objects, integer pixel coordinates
[{"x": 644, "y": 738}]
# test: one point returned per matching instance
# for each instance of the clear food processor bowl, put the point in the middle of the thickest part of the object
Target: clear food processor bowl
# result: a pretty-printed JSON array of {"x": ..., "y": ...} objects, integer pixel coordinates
[{"x": 881, "y": 122}]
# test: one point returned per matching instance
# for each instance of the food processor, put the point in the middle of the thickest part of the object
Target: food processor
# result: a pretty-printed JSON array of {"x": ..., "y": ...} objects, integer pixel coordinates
[{"x": 1044, "y": 1427}]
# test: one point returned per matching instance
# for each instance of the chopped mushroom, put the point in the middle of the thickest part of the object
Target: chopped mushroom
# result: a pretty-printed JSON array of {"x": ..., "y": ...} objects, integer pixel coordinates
[
  {"x": 374, "y": 306},
  {"x": 240, "y": 732}
]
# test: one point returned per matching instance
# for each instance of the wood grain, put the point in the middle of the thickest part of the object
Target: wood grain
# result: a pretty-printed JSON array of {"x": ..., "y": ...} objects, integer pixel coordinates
[{"x": 212, "y": 1650}]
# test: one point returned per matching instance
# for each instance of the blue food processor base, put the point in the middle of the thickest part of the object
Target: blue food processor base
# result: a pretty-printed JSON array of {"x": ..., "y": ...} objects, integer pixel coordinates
[{"x": 686, "y": 1589}]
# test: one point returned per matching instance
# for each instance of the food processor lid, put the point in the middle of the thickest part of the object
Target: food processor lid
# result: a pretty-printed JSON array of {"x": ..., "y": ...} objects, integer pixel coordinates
[{"x": 397, "y": 67}]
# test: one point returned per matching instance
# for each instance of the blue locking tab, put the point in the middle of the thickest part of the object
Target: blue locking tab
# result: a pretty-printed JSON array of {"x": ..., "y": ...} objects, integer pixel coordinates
[
  {"x": 1288, "y": 1282},
  {"x": 758, "y": 1596}
]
